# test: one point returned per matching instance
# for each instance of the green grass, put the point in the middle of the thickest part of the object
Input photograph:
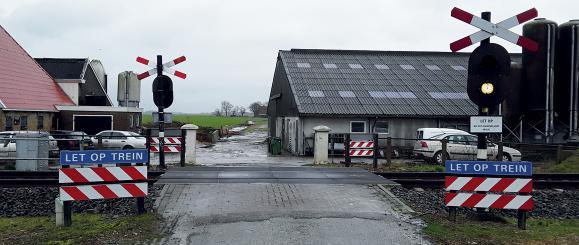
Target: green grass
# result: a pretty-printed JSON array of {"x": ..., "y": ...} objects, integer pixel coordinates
[
  {"x": 85, "y": 229},
  {"x": 209, "y": 120},
  {"x": 569, "y": 165},
  {"x": 539, "y": 231}
]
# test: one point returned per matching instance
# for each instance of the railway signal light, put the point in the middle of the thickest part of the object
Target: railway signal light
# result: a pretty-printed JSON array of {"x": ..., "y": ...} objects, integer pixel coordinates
[
  {"x": 163, "y": 91},
  {"x": 489, "y": 69}
]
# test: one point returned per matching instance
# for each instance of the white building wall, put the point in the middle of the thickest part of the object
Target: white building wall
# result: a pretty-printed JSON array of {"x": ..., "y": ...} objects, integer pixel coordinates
[
  {"x": 71, "y": 89},
  {"x": 398, "y": 128}
]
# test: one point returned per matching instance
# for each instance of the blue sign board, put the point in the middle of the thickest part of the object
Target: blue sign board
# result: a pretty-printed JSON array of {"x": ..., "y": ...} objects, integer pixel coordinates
[
  {"x": 103, "y": 157},
  {"x": 489, "y": 168}
]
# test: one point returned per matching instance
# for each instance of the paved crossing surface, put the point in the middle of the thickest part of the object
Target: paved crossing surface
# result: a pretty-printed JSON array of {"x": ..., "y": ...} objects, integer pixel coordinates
[
  {"x": 288, "y": 175},
  {"x": 276, "y": 213}
]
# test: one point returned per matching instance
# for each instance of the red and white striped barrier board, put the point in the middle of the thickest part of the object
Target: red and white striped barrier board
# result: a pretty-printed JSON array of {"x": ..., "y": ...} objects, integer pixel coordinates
[
  {"x": 361, "y": 153},
  {"x": 167, "y": 140},
  {"x": 108, "y": 191},
  {"x": 489, "y": 29},
  {"x": 166, "y": 67},
  {"x": 102, "y": 174},
  {"x": 166, "y": 148},
  {"x": 454, "y": 183},
  {"x": 361, "y": 144},
  {"x": 496, "y": 201}
]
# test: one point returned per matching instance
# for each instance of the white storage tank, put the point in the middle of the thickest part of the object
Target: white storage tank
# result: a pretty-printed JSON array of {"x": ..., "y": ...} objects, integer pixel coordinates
[{"x": 129, "y": 89}]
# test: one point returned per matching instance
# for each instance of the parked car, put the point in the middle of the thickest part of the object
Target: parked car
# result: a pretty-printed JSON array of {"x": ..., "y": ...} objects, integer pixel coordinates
[
  {"x": 72, "y": 140},
  {"x": 8, "y": 143},
  {"x": 461, "y": 146},
  {"x": 427, "y": 133},
  {"x": 113, "y": 139}
]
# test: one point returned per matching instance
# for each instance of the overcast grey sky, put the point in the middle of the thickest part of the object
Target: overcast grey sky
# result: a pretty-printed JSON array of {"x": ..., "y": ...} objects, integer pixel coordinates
[{"x": 231, "y": 46}]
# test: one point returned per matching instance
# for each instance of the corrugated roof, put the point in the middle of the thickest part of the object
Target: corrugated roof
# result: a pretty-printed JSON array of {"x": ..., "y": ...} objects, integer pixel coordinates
[
  {"x": 392, "y": 83},
  {"x": 64, "y": 68},
  {"x": 24, "y": 85}
]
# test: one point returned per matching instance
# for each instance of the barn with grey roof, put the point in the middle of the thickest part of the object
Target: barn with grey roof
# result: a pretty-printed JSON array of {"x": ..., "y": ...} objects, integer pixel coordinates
[{"x": 360, "y": 92}]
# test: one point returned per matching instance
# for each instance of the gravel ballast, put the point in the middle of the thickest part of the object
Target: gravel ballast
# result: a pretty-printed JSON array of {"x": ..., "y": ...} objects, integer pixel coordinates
[
  {"x": 548, "y": 203},
  {"x": 39, "y": 201}
]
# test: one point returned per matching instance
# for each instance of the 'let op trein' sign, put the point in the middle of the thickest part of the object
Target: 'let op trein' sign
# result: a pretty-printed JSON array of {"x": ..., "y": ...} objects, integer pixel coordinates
[
  {"x": 103, "y": 157},
  {"x": 489, "y": 168}
]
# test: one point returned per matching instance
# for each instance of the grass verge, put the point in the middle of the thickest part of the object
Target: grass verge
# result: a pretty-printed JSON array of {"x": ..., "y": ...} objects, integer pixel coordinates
[
  {"x": 502, "y": 231},
  {"x": 85, "y": 229}
]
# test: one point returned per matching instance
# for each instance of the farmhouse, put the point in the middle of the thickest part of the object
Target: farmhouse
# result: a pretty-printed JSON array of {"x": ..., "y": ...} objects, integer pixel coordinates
[
  {"x": 360, "y": 92},
  {"x": 60, "y": 93}
]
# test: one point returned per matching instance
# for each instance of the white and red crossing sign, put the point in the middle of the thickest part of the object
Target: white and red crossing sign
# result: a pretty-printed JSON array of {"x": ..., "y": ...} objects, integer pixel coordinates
[
  {"x": 167, "y": 140},
  {"x": 166, "y": 67},
  {"x": 361, "y": 144},
  {"x": 100, "y": 174},
  {"x": 361, "y": 148},
  {"x": 105, "y": 191},
  {"x": 482, "y": 191},
  {"x": 489, "y": 29},
  {"x": 170, "y": 144},
  {"x": 166, "y": 148},
  {"x": 361, "y": 153}
]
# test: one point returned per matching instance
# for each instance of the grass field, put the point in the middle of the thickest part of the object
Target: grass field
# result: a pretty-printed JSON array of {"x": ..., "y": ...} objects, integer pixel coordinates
[
  {"x": 209, "y": 120},
  {"x": 85, "y": 229}
]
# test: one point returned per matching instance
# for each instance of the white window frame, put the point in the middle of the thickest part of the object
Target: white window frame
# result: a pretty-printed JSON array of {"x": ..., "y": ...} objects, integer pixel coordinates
[
  {"x": 365, "y": 127},
  {"x": 382, "y": 121}
]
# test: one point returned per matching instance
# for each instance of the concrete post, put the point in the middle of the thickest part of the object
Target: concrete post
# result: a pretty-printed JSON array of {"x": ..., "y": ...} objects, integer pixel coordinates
[
  {"x": 321, "y": 144},
  {"x": 190, "y": 142},
  {"x": 59, "y": 211}
]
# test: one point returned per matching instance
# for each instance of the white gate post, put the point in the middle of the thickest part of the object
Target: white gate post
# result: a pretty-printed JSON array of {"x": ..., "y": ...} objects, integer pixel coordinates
[
  {"x": 190, "y": 142},
  {"x": 321, "y": 144}
]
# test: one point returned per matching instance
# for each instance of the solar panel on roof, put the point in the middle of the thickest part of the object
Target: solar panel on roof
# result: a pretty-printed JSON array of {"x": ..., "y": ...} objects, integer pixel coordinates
[
  {"x": 347, "y": 94},
  {"x": 381, "y": 67},
  {"x": 458, "y": 68},
  {"x": 433, "y": 67},
  {"x": 316, "y": 93},
  {"x": 355, "y": 66}
]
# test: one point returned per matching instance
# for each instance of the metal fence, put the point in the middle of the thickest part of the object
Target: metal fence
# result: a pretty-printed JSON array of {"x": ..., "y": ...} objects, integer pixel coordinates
[{"x": 448, "y": 148}]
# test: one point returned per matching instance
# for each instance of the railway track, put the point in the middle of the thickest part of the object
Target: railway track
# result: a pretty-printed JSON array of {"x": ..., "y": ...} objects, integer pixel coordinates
[
  {"x": 436, "y": 179},
  {"x": 9, "y": 178}
]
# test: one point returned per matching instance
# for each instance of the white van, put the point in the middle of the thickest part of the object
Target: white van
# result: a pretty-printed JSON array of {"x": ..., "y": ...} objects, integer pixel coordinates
[{"x": 427, "y": 133}]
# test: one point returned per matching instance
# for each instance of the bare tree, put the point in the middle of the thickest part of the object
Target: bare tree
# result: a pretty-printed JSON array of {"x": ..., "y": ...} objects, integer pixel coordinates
[
  {"x": 254, "y": 108},
  {"x": 226, "y": 108},
  {"x": 242, "y": 110},
  {"x": 217, "y": 112}
]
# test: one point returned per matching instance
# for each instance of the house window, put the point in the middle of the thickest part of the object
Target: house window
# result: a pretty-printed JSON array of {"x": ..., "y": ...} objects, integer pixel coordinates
[
  {"x": 381, "y": 67},
  {"x": 40, "y": 122},
  {"x": 304, "y": 65},
  {"x": 24, "y": 123},
  {"x": 458, "y": 68},
  {"x": 381, "y": 127},
  {"x": 130, "y": 121},
  {"x": 9, "y": 123},
  {"x": 407, "y": 67},
  {"x": 137, "y": 121},
  {"x": 347, "y": 94},
  {"x": 357, "y": 127},
  {"x": 316, "y": 93}
]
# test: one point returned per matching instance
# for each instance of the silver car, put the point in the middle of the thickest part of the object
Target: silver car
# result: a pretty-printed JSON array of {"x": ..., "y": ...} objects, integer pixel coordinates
[
  {"x": 8, "y": 143},
  {"x": 460, "y": 147},
  {"x": 113, "y": 139}
]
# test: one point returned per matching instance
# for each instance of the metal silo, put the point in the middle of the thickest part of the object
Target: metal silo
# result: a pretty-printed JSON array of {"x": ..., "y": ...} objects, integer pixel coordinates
[
  {"x": 537, "y": 87},
  {"x": 567, "y": 85},
  {"x": 129, "y": 89}
]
